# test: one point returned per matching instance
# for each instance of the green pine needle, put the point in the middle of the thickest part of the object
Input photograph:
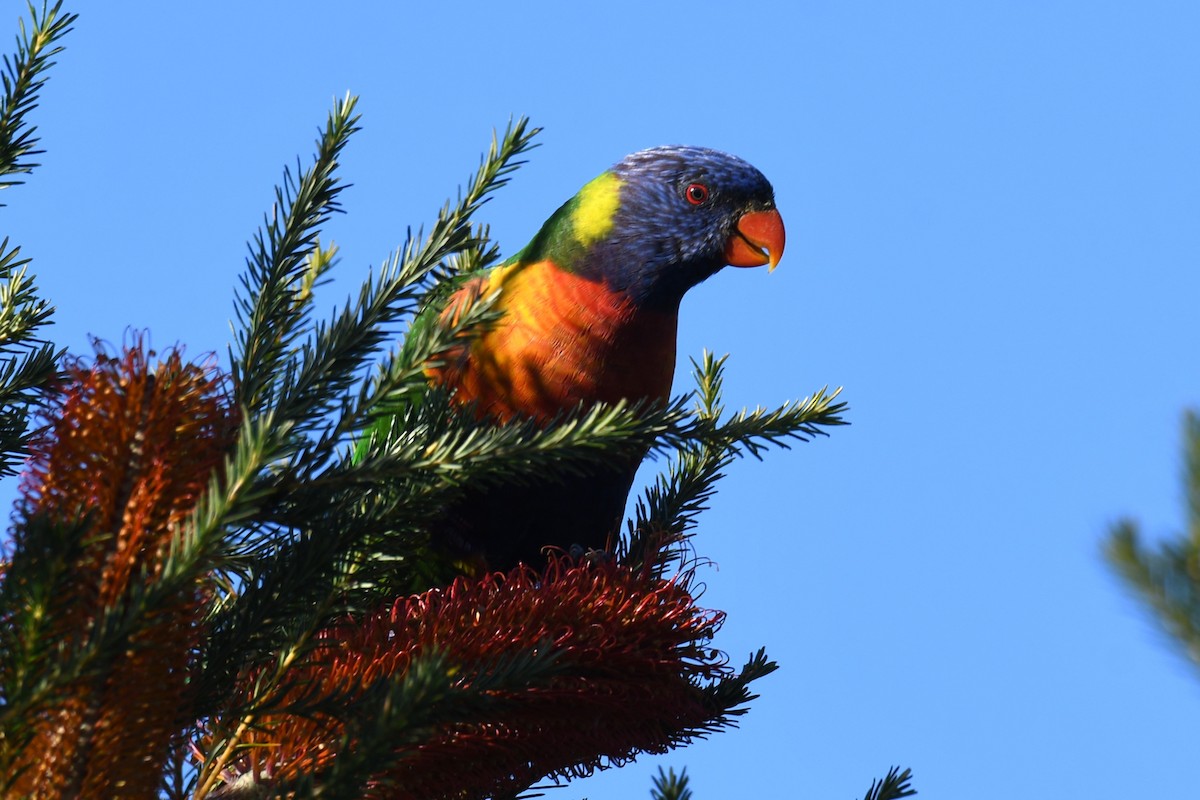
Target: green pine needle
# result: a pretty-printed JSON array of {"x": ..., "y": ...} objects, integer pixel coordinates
[
  {"x": 731, "y": 695},
  {"x": 705, "y": 446},
  {"x": 1166, "y": 576},
  {"x": 669, "y": 786},
  {"x": 894, "y": 786},
  {"x": 23, "y": 77},
  {"x": 27, "y": 363},
  {"x": 276, "y": 301}
]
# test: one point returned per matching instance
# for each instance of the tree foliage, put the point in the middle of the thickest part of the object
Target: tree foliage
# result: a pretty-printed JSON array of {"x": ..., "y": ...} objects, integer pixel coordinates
[
  {"x": 1166, "y": 575},
  {"x": 27, "y": 363},
  {"x": 220, "y": 583}
]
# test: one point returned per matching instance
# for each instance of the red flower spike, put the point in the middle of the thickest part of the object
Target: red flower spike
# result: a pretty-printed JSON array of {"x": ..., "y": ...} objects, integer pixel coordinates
[
  {"x": 630, "y": 655},
  {"x": 131, "y": 447}
]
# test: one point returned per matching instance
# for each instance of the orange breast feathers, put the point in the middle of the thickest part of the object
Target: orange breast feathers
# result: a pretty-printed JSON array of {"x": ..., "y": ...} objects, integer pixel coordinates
[{"x": 562, "y": 340}]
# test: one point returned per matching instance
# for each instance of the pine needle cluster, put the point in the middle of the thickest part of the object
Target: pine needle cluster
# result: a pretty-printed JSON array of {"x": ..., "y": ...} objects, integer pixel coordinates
[
  {"x": 222, "y": 582},
  {"x": 1166, "y": 575},
  {"x": 27, "y": 362}
]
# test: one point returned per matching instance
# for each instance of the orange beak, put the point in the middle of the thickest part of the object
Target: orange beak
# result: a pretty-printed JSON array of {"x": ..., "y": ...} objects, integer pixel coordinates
[{"x": 758, "y": 240}]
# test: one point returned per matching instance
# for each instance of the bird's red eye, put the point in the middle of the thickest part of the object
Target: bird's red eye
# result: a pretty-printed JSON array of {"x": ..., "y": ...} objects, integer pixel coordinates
[{"x": 696, "y": 193}]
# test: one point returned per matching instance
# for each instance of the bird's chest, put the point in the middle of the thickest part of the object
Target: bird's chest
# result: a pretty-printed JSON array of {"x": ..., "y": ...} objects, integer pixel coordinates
[{"x": 564, "y": 340}]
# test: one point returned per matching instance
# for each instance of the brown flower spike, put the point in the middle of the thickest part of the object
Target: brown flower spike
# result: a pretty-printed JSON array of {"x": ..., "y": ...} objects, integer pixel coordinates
[
  {"x": 630, "y": 658},
  {"x": 129, "y": 447}
]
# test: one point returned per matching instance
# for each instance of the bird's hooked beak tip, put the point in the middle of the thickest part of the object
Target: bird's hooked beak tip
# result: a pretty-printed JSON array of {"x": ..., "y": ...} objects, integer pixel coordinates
[{"x": 758, "y": 240}]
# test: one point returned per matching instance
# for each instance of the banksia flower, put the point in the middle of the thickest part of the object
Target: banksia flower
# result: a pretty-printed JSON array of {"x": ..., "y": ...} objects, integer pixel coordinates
[
  {"x": 127, "y": 451},
  {"x": 624, "y": 664}
]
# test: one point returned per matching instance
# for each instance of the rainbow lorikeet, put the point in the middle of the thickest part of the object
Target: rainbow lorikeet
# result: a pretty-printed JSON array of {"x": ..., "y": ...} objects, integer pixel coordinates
[{"x": 589, "y": 313}]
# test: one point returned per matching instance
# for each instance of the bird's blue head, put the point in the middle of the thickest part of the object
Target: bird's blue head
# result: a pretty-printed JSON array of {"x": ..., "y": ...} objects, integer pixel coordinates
[
  {"x": 662, "y": 220},
  {"x": 684, "y": 213}
]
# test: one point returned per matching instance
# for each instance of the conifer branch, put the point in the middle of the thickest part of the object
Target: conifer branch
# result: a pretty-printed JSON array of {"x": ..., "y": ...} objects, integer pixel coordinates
[
  {"x": 483, "y": 453},
  {"x": 21, "y": 311},
  {"x": 893, "y": 786},
  {"x": 453, "y": 236},
  {"x": 285, "y": 264},
  {"x": 1165, "y": 576},
  {"x": 669, "y": 786},
  {"x": 425, "y": 273},
  {"x": 292, "y": 576},
  {"x": 667, "y": 511},
  {"x": 729, "y": 696},
  {"x": 705, "y": 446},
  {"x": 753, "y": 431},
  {"x": 290, "y": 570},
  {"x": 27, "y": 364},
  {"x": 23, "y": 77},
  {"x": 306, "y": 381},
  {"x": 341, "y": 349}
]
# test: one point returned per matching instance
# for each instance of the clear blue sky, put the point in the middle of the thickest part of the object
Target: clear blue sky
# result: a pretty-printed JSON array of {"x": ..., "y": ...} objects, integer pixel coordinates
[{"x": 993, "y": 214}]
